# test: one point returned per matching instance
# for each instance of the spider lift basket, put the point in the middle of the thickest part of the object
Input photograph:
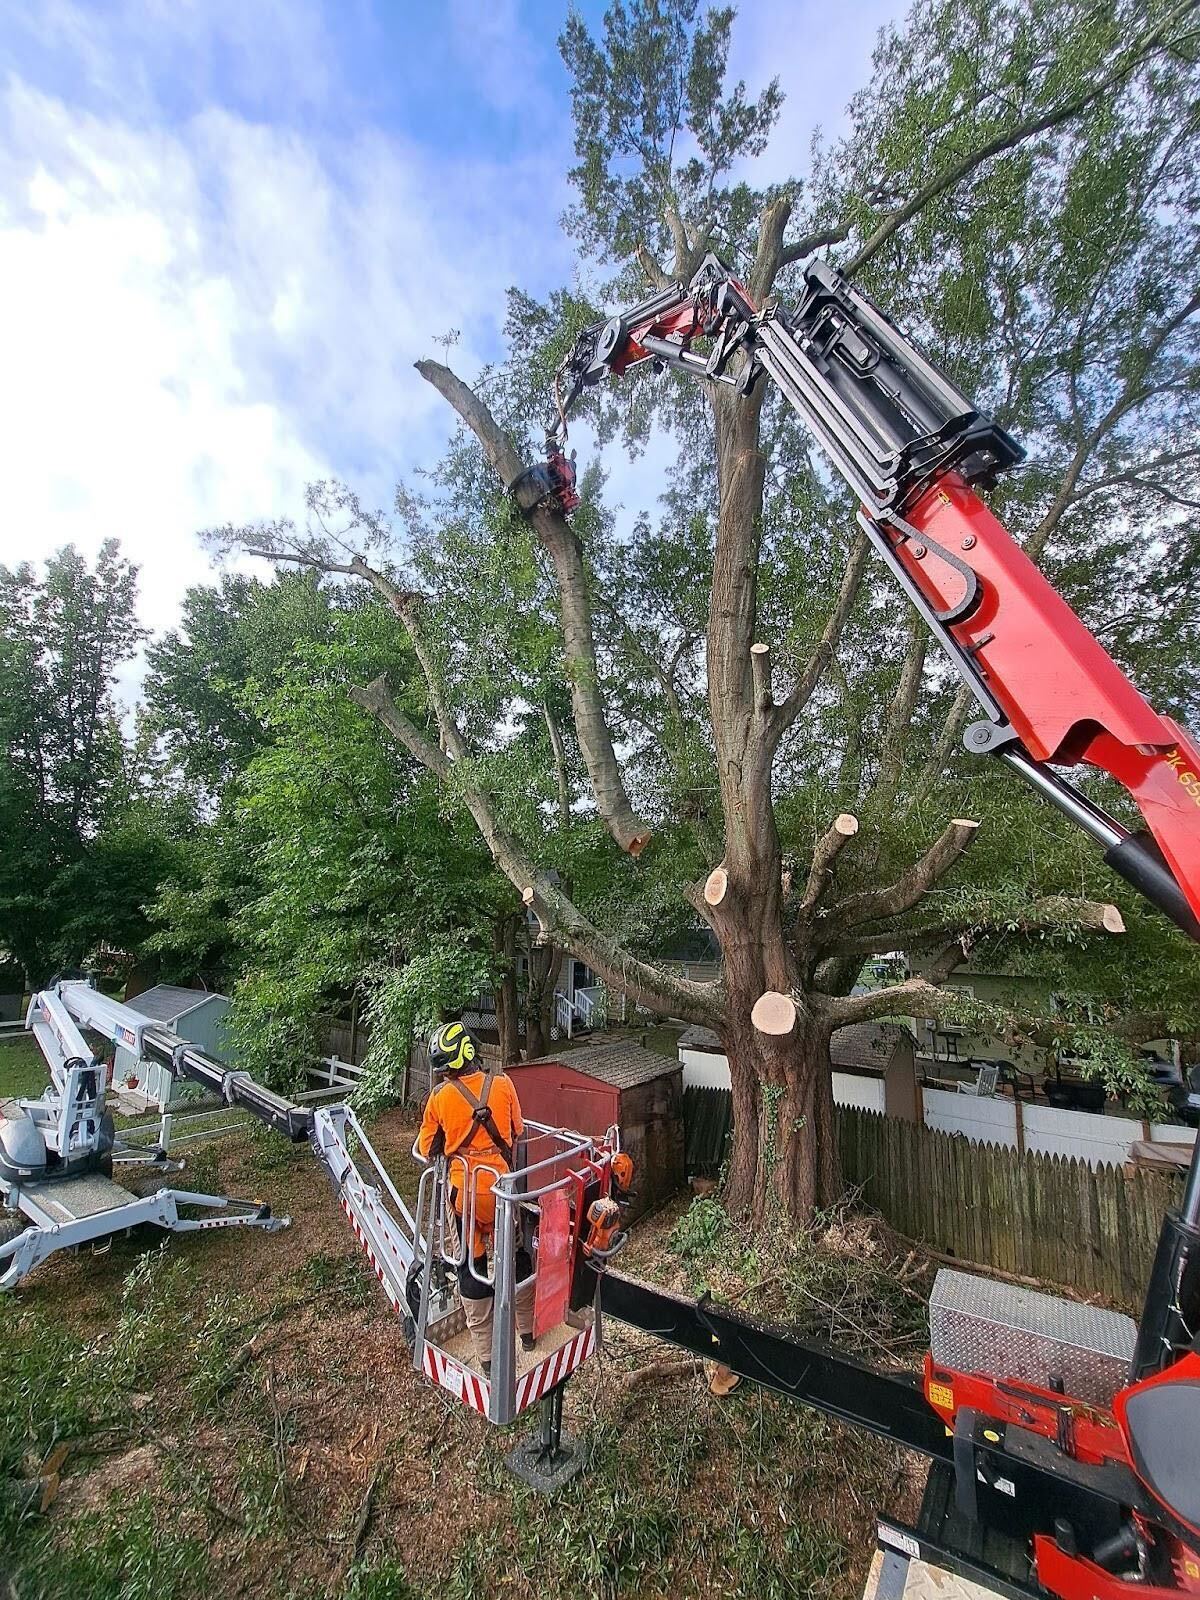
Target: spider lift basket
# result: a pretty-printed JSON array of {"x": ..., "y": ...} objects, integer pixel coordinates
[{"x": 532, "y": 1218}]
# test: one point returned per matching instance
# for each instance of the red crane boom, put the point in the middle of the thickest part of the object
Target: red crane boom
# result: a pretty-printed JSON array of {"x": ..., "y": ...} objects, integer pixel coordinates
[{"x": 916, "y": 451}]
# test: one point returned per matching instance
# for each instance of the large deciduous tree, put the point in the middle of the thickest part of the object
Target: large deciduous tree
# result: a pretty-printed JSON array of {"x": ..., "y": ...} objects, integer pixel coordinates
[{"x": 1019, "y": 187}]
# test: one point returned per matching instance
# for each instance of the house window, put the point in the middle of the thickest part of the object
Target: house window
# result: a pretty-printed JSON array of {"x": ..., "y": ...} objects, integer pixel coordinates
[{"x": 945, "y": 1041}]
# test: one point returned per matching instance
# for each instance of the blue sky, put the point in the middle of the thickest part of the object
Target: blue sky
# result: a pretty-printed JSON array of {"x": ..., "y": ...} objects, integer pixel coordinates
[{"x": 229, "y": 227}]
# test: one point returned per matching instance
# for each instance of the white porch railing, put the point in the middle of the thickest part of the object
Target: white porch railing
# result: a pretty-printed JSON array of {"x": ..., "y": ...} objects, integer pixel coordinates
[{"x": 587, "y": 1009}]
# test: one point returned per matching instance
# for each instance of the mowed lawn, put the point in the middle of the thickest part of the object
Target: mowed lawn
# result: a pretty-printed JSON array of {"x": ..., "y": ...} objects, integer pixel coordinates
[{"x": 22, "y": 1069}]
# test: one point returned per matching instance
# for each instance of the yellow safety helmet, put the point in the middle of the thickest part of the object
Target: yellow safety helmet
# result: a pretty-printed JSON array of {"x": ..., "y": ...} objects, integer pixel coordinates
[{"x": 453, "y": 1048}]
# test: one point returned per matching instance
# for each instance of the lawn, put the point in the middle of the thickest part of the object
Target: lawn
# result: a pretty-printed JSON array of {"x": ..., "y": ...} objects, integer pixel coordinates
[
  {"x": 238, "y": 1415},
  {"x": 22, "y": 1067}
]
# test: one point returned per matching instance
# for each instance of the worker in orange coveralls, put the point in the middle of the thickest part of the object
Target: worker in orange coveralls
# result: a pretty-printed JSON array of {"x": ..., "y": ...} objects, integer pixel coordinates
[{"x": 475, "y": 1117}]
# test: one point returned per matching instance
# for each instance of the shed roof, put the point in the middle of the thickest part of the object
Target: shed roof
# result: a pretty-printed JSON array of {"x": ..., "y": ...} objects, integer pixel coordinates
[
  {"x": 167, "y": 1002},
  {"x": 698, "y": 1037},
  {"x": 868, "y": 1044},
  {"x": 620, "y": 1063},
  {"x": 863, "y": 1044}
]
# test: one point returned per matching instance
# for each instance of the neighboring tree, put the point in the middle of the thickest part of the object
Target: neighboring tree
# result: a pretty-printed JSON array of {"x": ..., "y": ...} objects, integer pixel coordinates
[
  {"x": 331, "y": 864},
  {"x": 1020, "y": 187},
  {"x": 233, "y": 646},
  {"x": 77, "y": 863}
]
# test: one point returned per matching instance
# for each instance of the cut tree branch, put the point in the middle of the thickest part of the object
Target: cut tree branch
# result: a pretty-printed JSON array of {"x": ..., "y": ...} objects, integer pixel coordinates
[
  {"x": 876, "y": 905},
  {"x": 1040, "y": 916},
  {"x": 828, "y": 848},
  {"x": 760, "y": 668},
  {"x": 560, "y": 542}
]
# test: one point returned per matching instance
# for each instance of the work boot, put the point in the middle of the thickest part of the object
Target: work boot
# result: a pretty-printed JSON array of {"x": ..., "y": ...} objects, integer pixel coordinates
[
  {"x": 528, "y": 1342},
  {"x": 486, "y": 1368}
]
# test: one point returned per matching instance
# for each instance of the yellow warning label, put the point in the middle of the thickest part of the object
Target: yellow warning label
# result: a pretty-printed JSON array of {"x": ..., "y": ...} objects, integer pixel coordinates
[{"x": 942, "y": 1396}]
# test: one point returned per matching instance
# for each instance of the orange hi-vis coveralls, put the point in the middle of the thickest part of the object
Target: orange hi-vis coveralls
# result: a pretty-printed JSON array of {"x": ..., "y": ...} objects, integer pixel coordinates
[{"x": 449, "y": 1128}]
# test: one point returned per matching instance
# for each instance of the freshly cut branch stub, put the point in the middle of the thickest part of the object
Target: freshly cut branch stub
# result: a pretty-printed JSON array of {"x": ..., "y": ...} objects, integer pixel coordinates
[
  {"x": 774, "y": 1013},
  {"x": 716, "y": 886},
  {"x": 760, "y": 667},
  {"x": 845, "y": 824}
]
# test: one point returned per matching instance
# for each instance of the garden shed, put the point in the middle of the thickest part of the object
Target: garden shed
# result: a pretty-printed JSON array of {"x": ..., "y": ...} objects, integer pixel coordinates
[
  {"x": 194, "y": 1014},
  {"x": 619, "y": 1082}
]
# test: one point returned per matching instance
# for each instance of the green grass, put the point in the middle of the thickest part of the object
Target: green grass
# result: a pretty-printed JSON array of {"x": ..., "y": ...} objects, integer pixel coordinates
[{"x": 22, "y": 1068}]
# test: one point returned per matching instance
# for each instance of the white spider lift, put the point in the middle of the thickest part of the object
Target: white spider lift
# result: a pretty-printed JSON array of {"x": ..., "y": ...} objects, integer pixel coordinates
[{"x": 57, "y": 1152}]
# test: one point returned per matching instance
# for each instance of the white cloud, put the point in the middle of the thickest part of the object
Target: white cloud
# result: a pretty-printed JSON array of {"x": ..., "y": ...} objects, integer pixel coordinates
[
  {"x": 201, "y": 319},
  {"x": 821, "y": 58}
]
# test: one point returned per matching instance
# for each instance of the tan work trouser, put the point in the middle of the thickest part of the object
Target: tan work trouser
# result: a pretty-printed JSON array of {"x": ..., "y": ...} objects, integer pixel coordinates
[{"x": 479, "y": 1313}]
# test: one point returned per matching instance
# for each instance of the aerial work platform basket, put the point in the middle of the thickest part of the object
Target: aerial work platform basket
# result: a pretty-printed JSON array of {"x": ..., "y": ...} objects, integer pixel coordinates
[{"x": 535, "y": 1222}]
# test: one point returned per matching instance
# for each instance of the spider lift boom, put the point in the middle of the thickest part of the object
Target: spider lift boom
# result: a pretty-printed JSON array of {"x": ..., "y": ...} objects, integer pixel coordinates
[{"x": 915, "y": 450}]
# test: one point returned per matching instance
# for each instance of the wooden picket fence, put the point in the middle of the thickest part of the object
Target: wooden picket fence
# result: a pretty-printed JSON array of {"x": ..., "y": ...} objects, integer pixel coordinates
[{"x": 1035, "y": 1216}]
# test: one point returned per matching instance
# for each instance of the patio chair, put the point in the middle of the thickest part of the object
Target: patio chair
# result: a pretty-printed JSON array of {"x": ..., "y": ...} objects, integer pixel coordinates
[{"x": 984, "y": 1086}]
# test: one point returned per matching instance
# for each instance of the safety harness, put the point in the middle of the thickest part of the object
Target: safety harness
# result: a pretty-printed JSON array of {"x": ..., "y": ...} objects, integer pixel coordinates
[{"x": 481, "y": 1117}]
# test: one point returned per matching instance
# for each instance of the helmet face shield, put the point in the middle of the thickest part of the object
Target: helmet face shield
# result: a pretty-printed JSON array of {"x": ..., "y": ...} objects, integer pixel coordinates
[{"x": 453, "y": 1048}]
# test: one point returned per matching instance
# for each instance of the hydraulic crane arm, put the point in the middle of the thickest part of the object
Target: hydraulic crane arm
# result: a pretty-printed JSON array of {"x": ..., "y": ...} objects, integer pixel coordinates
[{"x": 915, "y": 451}]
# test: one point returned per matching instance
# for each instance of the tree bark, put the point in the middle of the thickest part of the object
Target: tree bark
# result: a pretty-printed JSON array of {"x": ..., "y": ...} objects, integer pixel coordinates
[
  {"x": 545, "y": 964},
  {"x": 507, "y": 1026}
]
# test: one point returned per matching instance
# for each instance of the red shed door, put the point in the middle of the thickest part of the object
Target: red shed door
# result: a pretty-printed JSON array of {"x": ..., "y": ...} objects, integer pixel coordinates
[{"x": 582, "y": 1104}]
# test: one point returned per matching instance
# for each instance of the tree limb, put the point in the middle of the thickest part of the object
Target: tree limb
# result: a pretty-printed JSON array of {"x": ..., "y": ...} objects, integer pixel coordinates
[
  {"x": 874, "y": 905},
  {"x": 1004, "y": 142},
  {"x": 915, "y": 997},
  {"x": 560, "y": 766},
  {"x": 649, "y": 985},
  {"x": 805, "y": 246},
  {"x": 559, "y": 540},
  {"x": 646, "y": 260},
  {"x": 820, "y": 874},
  {"x": 1040, "y": 916},
  {"x": 852, "y": 575},
  {"x": 900, "y": 712}
]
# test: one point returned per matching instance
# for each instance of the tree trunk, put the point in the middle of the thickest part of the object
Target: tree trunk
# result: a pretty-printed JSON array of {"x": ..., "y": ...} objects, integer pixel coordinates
[
  {"x": 505, "y": 942},
  {"x": 545, "y": 964},
  {"x": 783, "y": 1159},
  {"x": 799, "y": 1171}
]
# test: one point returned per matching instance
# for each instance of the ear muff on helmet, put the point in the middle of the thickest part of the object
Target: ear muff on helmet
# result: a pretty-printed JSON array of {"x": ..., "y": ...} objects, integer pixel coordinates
[{"x": 453, "y": 1048}]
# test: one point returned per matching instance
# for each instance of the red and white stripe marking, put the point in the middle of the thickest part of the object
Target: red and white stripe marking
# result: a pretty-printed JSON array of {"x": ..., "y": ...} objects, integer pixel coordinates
[
  {"x": 541, "y": 1379},
  {"x": 370, "y": 1255},
  {"x": 460, "y": 1381}
]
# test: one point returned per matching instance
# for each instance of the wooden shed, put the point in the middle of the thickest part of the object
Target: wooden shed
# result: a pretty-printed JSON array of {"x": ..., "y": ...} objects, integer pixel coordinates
[
  {"x": 196, "y": 1015},
  {"x": 597, "y": 1085}
]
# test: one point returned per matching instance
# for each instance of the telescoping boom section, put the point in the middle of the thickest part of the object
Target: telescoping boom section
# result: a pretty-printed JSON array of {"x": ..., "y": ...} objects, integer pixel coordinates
[{"x": 916, "y": 452}]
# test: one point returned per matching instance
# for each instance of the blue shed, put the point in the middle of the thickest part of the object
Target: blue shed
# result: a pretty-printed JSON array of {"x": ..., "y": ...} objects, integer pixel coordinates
[{"x": 196, "y": 1015}]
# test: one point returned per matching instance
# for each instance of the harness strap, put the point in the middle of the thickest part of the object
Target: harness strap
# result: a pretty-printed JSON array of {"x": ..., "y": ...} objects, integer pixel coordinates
[{"x": 481, "y": 1117}]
